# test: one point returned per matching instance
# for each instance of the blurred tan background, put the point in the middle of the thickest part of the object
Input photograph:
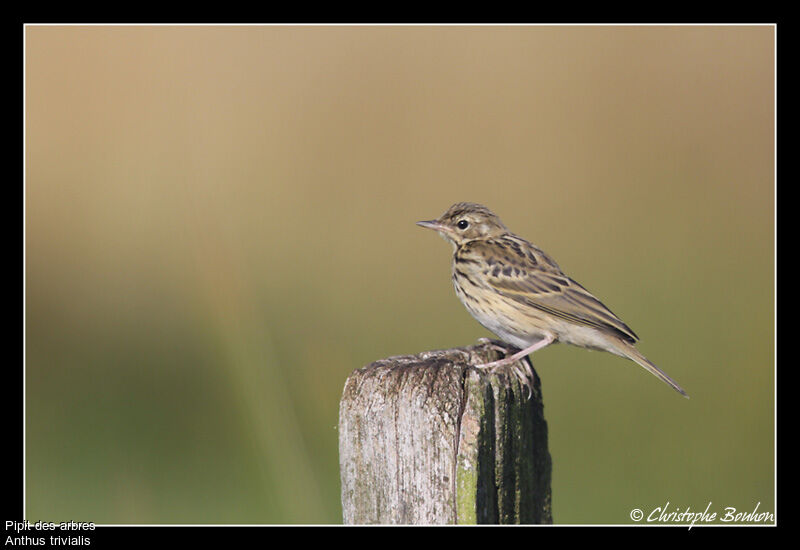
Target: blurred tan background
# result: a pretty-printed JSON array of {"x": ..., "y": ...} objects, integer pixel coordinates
[{"x": 220, "y": 228}]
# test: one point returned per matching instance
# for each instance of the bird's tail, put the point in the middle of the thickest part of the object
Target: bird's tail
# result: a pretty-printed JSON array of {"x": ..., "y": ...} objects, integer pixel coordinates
[{"x": 627, "y": 350}]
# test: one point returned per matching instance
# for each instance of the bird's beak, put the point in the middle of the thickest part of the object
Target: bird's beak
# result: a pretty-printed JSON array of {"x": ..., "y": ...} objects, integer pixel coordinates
[{"x": 435, "y": 225}]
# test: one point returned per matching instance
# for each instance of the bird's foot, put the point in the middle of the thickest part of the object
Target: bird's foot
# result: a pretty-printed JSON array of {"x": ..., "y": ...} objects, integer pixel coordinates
[
  {"x": 498, "y": 345},
  {"x": 512, "y": 356}
]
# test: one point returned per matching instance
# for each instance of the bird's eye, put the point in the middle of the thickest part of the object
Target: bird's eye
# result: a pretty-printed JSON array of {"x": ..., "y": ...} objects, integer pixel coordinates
[{"x": 463, "y": 224}]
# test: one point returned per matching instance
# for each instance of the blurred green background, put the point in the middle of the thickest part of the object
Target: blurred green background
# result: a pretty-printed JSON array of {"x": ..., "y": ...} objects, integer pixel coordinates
[{"x": 220, "y": 228}]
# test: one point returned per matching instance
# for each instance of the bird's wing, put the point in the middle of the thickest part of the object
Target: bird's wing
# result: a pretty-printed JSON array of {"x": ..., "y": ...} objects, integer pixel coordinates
[{"x": 542, "y": 285}]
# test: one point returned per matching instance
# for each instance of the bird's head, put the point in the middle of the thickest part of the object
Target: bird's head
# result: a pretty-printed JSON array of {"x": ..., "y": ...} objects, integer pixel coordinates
[{"x": 467, "y": 221}]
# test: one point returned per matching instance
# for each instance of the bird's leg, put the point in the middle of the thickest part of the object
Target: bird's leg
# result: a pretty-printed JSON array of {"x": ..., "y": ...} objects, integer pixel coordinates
[{"x": 546, "y": 341}]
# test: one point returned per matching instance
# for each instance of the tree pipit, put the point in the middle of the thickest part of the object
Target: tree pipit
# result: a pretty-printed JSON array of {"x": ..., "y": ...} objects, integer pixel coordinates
[{"x": 520, "y": 294}]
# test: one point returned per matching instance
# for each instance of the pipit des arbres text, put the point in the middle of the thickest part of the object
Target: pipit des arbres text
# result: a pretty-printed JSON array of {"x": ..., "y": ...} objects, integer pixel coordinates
[{"x": 520, "y": 294}]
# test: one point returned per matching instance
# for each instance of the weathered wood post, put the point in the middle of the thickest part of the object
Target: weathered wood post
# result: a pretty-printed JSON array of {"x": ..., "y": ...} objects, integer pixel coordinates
[{"x": 429, "y": 439}]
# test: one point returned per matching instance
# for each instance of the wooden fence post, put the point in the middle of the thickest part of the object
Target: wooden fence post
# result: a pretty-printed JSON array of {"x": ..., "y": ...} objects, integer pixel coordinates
[{"x": 429, "y": 439}]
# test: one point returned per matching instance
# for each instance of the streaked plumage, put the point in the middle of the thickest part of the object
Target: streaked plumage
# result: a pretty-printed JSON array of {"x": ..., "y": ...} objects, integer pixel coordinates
[{"x": 520, "y": 294}]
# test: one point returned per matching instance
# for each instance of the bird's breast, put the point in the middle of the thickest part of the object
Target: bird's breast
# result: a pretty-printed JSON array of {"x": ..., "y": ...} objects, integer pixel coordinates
[{"x": 501, "y": 316}]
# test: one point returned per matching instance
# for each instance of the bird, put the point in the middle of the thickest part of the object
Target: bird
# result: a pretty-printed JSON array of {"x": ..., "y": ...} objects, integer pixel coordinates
[{"x": 519, "y": 293}]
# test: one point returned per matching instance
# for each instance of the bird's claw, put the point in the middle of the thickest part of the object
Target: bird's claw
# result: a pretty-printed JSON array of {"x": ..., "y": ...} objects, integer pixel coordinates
[{"x": 523, "y": 373}]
